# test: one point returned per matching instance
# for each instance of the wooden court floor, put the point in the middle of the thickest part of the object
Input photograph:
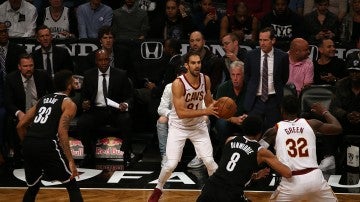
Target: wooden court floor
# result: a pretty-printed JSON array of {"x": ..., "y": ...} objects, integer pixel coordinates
[{"x": 133, "y": 195}]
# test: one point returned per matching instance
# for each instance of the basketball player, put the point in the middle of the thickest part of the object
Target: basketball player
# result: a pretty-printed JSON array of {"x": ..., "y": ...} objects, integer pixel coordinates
[
  {"x": 187, "y": 121},
  {"x": 295, "y": 145},
  {"x": 45, "y": 143},
  {"x": 240, "y": 159}
]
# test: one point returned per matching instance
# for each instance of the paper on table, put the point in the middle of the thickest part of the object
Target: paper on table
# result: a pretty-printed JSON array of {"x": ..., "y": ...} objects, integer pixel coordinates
[{"x": 112, "y": 103}]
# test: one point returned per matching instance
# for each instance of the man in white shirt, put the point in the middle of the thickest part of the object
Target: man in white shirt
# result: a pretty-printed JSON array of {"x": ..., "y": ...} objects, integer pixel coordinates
[{"x": 20, "y": 17}]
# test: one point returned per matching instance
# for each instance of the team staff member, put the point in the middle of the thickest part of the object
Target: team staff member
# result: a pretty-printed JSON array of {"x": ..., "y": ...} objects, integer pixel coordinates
[
  {"x": 241, "y": 158},
  {"x": 187, "y": 120},
  {"x": 266, "y": 74},
  {"x": 46, "y": 147},
  {"x": 295, "y": 145}
]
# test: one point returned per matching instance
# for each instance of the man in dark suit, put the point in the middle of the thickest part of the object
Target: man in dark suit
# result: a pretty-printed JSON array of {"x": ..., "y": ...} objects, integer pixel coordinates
[
  {"x": 18, "y": 98},
  {"x": 8, "y": 50},
  {"x": 59, "y": 58},
  {"x": 265, "y": 88},
  {"x": 99, "y": 84}
]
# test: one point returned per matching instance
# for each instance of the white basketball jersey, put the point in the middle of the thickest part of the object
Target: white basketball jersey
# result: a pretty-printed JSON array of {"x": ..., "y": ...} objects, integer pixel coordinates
[
  {"x": 295, "y": 144},
  {"x": 194, "y": 98},
  {"x": 57, "y": 26}
]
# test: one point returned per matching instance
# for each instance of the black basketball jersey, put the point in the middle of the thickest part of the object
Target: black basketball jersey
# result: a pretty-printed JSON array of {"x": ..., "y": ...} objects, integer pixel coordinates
[
  {"x": 48, "y": 113},
  {"x": 238, "y": 162}
]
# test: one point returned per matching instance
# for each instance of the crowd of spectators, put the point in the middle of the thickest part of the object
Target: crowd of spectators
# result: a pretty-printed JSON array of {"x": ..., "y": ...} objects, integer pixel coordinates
[{"x": 295, "y": 23}]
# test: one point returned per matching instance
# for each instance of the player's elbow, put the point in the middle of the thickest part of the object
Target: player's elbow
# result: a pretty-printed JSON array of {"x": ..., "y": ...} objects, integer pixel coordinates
[{"x": 287, "y": 173}]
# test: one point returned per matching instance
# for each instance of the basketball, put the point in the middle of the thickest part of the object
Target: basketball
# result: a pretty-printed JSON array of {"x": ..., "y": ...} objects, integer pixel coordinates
[{"x": 226, "y": 107}]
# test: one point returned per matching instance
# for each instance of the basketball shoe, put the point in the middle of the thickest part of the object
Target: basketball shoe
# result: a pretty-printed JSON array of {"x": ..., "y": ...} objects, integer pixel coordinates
[
  {"x": 155, "y": 195},
  {"x": 195, "y": 163}
]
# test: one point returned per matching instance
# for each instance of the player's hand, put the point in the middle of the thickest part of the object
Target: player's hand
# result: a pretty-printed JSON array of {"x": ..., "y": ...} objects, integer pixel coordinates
[
  {"x": 261, "y": 173},
  {"x": 86, "y": 105},
  {"x": 123, "y": 106},
  {"x": 73, "y": 169},
  {"x": 318, "y": 108},
  {"x": 231, "y": 56},
  {"x": 212, "y": 110}
]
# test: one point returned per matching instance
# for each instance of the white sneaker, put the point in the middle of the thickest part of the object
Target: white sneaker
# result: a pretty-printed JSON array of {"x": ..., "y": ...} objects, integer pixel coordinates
[
  {"x": 195, "y": 163},
  {"x": 328, "y": 163},
  {"x": 163, "y": 160}
]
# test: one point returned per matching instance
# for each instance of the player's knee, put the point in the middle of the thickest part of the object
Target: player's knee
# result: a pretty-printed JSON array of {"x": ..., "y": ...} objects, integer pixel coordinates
[
  {"x": 170, "y": 165},
  {"x": 210, "y": 164}
]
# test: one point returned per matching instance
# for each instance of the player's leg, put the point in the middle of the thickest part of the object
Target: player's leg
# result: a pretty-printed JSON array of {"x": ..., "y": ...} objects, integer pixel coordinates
[
  {"x": 321, "y": 191},
  {"x": 73, "y": 191},
  {"x": 202, "y": 143},
  {"x": 31, "y": 192},
  {"x": 174, "y": 147},
  {"x": 33, "y": 169}
]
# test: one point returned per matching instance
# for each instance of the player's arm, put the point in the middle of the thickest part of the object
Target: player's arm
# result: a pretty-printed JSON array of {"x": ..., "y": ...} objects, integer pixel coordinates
[
  {"x": 264, "y": 155},
  {"x": 178, "y": 93},
  {"x": 25, "y": 121},
  {"x": 332, "y": 125},
  {"x": 268, "y": 137},
  {"x": 69, "y": 112},
  {"x": 208, "y": 98}
]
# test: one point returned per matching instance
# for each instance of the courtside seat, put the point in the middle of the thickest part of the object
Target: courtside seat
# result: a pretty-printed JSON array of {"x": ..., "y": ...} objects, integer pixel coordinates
[{"x": 312, "y": 94}]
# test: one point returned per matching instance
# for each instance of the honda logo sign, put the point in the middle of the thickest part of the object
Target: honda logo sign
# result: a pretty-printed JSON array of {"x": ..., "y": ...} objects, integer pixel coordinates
[{"x": 151, "y": 50}]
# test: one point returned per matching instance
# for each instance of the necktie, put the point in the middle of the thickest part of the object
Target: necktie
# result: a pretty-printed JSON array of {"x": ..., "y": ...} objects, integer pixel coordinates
[
  {"x": 48, "y": 65},
  {"x": 2, "y": 61},
  {"x": 264, "y": 85},
  {"x": 104, "y": 86},
  {"x": 28, "y": 94}
]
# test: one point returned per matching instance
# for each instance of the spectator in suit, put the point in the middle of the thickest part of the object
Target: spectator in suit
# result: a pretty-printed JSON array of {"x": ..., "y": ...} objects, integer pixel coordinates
[
  {"x": 328, "y": 68},
  {"x": 91, "y": 16},
  {"x": 301, "y": 69},
  {"x": 100, "y": 83},
  {"x": 60, "y": 19},
  {"x": 264, "y": 90},
  {"x": 22, "y": 89},
  {"x": 321, "y": 23},
  {"x": 50, "y": 57},
  {"x": 286, "y": 23},
  {"x": 9, "y": 51},
  {"x": 20, "y": 17},
  {"x": 130, "y": 21}
]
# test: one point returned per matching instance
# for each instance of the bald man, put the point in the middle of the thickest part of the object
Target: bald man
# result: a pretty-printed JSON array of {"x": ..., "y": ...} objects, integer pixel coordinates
[
  {"x": 301, "y": 68},
  {"x": 103, "y": 82},
  {"x": 211, "y": 65}
]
